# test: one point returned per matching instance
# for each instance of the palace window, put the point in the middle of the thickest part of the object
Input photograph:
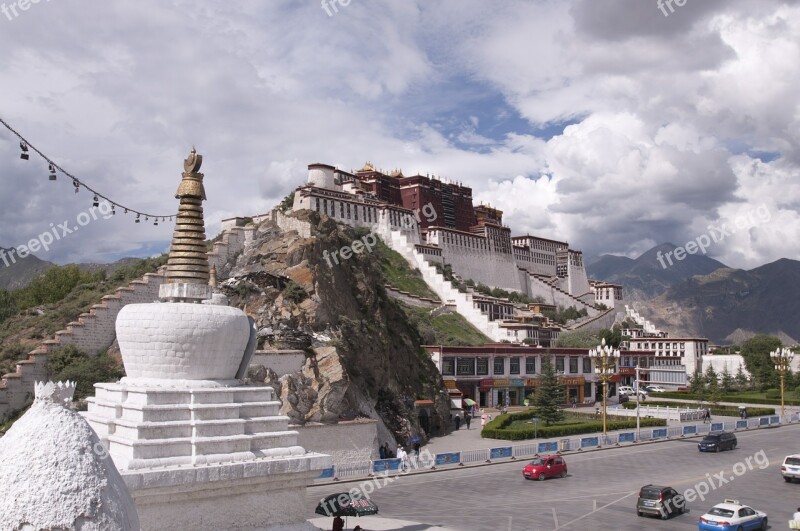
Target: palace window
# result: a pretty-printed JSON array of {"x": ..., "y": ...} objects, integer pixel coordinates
[
  {"x": 499, "y": 366},
  {"x": 448, "y": 366},
  {"x": 465, "y": 367},
  {"x": 573, "y": 365},
  {"x": 530, "y": 365},
  {"x": 587, "y": 365},
  {"x": 514, "y": 365},
  {"x": 559, "y": 363},
  {"x": 482, "y": 366}
]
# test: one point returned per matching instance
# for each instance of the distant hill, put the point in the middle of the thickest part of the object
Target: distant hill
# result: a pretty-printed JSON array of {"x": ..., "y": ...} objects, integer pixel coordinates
[
  {"x": 19, "y": 273},
  {"x": 729, "y": 305},
  {"x": 651, "y": 274}
]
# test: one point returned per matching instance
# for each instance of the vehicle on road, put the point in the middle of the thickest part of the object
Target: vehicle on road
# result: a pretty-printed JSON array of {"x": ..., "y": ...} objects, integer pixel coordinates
[
  {"x": 790, "y": 469},
  {"x": 717, "y": 441},
  {"x": 660, "y": 501},
  {"x": 629, "y": 391},
  {"x": 732, "y": 516},
  {"x": 545, "y": 466},
  {"x": 655, "y": 389}
]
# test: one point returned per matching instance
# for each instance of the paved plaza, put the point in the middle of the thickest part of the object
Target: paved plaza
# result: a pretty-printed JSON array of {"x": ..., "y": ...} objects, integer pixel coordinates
[{"x": 600, "y": 491}]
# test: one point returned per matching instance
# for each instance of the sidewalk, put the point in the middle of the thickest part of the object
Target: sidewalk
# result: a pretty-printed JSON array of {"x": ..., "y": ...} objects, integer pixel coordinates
[{"x": 376, "y": 523}]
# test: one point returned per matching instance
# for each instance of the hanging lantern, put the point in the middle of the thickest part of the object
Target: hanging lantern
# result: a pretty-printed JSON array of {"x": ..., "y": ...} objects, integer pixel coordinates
[
  {"x": 137, "y": 218},
  {"x": 77, "y": 185},
  {"x": 24, "y": 147},
  {"x": 95, "y": 201},
  {"x": 52, "y": 172},
  {"x": 113, "y": 212}
]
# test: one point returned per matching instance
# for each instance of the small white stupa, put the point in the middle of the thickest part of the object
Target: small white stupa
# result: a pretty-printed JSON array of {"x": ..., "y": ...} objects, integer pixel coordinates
[
  {"x": 196, "y": 448},
  {"x": 55, "y": 472}
]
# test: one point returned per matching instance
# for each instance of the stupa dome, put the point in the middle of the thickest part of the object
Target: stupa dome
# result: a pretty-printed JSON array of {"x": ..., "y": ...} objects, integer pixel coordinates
[{"x": 55, "y": 473}]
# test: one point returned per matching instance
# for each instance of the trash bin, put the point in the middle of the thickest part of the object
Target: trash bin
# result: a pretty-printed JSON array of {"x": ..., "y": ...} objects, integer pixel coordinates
[{"x": 564, "y": 445}]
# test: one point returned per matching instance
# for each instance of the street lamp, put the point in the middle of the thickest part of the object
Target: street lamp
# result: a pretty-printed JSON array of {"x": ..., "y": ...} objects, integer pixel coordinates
[
  {"x": 782, "y": 358},
  {"x": 605, "y": 359}
]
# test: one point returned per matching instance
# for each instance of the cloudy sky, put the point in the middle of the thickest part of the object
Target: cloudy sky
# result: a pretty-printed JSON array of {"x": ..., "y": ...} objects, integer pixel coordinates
[{"x": 601, "y": 122}]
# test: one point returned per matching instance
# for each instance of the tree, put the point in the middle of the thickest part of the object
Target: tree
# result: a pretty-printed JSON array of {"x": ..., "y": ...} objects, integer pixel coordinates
[
  {"x": 727, "y": 383},
  {"x": 697, "y": 385},
  {"x": 712, "y": 385},
  {"x": 549, "y": 395},
  {"x": 755, "y": 352},
  {"x": 580, "y": 338},
  {"x": 742, "y": 382},
  {"x": 69, "y": 363},
  {"x": 613, "y": 337}
]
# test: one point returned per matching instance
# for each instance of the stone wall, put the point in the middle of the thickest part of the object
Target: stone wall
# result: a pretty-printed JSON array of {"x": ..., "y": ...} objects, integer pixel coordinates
[
  {"x": 411, "y": 300},
  {"x": 347, "y": 442},
  {"x": 280, "y": 361}
]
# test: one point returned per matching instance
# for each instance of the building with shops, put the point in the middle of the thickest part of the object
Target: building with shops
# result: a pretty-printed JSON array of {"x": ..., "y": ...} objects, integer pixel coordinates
[{"x": 498, "y": 374}]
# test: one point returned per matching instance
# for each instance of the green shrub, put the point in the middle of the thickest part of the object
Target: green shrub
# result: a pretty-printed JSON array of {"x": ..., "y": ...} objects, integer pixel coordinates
[
  {"x": 773, "y": 393},
  {"x": 294, "y": 292},
  {"x": 498, "y": 428},
  {"x": 797, "y": 391}
]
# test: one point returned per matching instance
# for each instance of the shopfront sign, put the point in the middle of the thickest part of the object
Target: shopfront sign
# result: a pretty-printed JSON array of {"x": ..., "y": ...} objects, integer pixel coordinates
[
  {"x": 485, "y": 384},
  {"x": 517, "y": 383},
  {"x": 627, "y": 371},
  {"x": 450, "y": 384},
  {"x": 579, "y": 380},
  {"x": 531, "y": 382},
  {"x": 502, "y": 382}
]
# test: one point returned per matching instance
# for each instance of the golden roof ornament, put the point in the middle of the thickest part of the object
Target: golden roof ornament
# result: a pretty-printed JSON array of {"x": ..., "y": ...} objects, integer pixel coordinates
[{"x": 187, "y": 264}]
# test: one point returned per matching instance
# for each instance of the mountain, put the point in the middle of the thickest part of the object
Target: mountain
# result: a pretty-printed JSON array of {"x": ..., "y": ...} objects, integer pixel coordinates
[
  {"x": 19, "y": 272},
  {"x": 652, "y": 273},
  {"x": 729, "y": 305}
]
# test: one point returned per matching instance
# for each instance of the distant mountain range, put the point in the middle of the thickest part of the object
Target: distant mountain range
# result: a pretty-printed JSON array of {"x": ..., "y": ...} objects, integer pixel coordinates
[
  {"x": 699, "y": 296},
  {"x": 19, "y": 273}
]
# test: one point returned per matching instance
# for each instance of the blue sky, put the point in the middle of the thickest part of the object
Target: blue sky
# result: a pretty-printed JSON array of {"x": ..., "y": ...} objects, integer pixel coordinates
[{"x": 605, "y": 124}]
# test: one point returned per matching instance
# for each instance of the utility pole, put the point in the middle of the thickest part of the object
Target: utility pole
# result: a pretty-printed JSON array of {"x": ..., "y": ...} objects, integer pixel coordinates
[{"x": 638, "y": 388}]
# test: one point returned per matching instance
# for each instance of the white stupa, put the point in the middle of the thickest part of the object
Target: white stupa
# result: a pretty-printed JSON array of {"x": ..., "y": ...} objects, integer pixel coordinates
[
  {"x": 196, "y": 448},
  {"x": 55, "y": 473}
]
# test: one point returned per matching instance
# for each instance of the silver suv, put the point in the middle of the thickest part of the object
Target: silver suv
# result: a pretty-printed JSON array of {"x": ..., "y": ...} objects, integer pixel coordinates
[{"x": 790, "y": 469}]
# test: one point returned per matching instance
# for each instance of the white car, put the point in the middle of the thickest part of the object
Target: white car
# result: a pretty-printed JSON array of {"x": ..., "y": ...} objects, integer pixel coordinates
[
  {"x": 732, "y": 515},
  {"x": 655, "y": 389},
  {"x": 629, "y": 392},
  {"x": 790, "y": 469}
]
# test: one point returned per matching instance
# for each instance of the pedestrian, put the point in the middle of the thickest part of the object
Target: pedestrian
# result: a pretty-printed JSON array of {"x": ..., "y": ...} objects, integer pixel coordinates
[
  {"x": 796, "y": 515},
  {"x": 467, "y": 419},
  {"x": 708, "y": 414},
  {"x": 458, "y": 421},
  {"x": 483, "y": 419},
  {"x": 574, "y": 402},
  {"x": 382, "y": 451},
  {"x": 403, "y": 457},
  {"x": 416, "y": 449},
  {"x": 596, "y": 412},
  {"x": 338, "y": 524}
]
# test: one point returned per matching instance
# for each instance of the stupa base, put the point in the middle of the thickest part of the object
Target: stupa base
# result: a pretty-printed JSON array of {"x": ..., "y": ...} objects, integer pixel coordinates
[{"x": 262, "y": 494}]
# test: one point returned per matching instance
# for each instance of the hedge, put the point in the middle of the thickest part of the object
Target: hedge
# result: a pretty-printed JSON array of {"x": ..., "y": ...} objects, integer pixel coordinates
[
  {"x": 731, "y": 398},
  {"x": 497, "y": 428},
  {"x": 724, "y": 411}
]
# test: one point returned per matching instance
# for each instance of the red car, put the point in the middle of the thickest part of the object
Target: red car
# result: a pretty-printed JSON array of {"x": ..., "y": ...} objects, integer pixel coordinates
[{"x": 545, "y": 466}]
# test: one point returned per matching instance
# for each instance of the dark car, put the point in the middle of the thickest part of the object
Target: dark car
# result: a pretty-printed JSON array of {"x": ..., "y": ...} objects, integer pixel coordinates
[
  {"x": 660, "y": 501},
  {"x": 717, "y": 441}
]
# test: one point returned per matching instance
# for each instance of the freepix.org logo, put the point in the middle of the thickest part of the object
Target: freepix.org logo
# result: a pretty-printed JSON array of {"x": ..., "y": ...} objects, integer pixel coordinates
[{"x": 13, "y": 9}]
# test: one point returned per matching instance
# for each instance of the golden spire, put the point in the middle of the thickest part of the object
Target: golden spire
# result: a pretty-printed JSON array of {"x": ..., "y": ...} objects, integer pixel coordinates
[{"x": 188, "y": 262}]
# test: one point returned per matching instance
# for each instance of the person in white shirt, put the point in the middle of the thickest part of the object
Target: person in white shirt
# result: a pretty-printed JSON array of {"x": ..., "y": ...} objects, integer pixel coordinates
[
  {"x": 403, "y": 457},
  {"x": 796, "y": 515}
]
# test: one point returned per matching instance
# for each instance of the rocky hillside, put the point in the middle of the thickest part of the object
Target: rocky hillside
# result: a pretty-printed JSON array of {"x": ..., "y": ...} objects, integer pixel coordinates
[
  {"x": 363, "y": 354},
  {"x": 17, "y": 272},
  {"x": 730, "y": 305}
]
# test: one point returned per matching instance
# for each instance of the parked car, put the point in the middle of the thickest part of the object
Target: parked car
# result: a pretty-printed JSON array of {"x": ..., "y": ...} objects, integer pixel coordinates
[
  {"x": 660, "y": 501},
  {"x": 790, "y": 469},
  {"x": 717, "y": 441},
  {"x": 546, "y": 466},
  {"x": 732, "y": 516},
  {"x": 655, "y": 389},
  {"x": 630, "y": 393}
]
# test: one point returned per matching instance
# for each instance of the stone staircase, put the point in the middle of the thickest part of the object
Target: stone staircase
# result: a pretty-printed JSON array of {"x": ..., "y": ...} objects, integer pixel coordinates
[
  {"x": 447, "y": 293},
  {"x": 549, "y": 290},
  {"x": 95, "y": 331}
]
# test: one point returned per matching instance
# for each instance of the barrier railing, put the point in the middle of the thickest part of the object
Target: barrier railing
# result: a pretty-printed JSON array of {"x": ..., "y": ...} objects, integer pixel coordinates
[{"x": 395, "y": 466}]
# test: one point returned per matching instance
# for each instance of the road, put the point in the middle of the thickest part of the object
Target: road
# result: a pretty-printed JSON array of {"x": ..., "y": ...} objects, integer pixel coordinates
[{"x": 601, "y": 489}]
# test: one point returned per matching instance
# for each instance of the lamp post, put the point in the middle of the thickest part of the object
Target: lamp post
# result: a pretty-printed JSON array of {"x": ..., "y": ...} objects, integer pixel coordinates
[
  {"x": 782, "y": 358},
  {"x": 605, "y": 359}
]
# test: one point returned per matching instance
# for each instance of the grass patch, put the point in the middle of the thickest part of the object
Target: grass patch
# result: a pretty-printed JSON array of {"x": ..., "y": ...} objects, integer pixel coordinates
[
  {"x": 447, "y": 329},
  {"x": 399, "y": 274},
  {"x": 518, "y": 426},
  {"x": 753, "y": 397}
]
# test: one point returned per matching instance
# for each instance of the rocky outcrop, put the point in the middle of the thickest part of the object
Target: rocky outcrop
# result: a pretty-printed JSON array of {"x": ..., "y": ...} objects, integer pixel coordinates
[{"x": 363, "y": 355}]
